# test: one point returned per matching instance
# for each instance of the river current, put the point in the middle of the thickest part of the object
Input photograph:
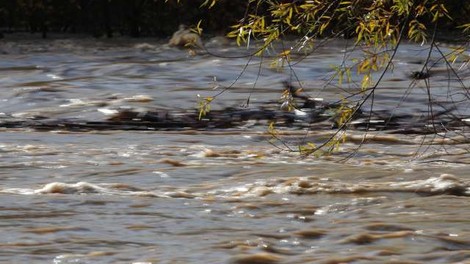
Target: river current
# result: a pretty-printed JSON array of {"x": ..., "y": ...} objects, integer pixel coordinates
[{"x": 218, "y": 196}]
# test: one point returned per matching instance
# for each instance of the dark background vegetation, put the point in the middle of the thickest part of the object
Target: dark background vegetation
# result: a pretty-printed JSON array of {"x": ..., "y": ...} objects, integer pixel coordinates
[
  {"x": 137, "y": 18},
  {"x": 110, "y": 18}
]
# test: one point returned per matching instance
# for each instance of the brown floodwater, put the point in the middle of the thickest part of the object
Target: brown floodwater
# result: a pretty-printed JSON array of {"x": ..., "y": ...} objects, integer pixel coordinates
[{"x": 221, "y": 196}]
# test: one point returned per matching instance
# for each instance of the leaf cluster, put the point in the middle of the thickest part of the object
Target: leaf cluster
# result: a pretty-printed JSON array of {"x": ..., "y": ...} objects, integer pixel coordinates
[{"x": 378, "y": 27}]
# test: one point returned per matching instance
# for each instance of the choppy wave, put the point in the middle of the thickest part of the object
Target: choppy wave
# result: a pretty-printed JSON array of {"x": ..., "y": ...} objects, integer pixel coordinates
[{"x": 444, "y": 184}]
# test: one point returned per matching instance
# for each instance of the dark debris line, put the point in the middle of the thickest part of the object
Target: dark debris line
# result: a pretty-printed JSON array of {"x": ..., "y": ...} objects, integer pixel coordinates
[{"x": 320, "y": 118}]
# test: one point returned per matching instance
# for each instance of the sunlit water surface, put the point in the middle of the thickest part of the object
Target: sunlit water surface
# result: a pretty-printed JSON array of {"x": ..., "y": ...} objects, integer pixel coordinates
[{"x": 213, "y": 196}]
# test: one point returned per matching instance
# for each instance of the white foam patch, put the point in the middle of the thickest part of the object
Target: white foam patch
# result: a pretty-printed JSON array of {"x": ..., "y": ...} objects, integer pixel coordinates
[
  {"x": 64, "y": 188},
  {"x": 444, "y": 184},
  {"x": 75, "y": 102},
  {"x": 441, "y": 184},
  {"x": 102, "y": 189},
  {"x": 139, "y": 98},
  {"x": 54, "y": 77},
  {"x": 108, "y": 111}
]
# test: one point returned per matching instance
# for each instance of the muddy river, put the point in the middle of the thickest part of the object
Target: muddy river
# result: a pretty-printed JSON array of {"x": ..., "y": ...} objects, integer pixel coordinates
[{"x": 224, "y": 195}]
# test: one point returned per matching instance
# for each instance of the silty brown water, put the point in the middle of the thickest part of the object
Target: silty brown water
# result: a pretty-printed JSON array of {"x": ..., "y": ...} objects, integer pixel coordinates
[{"x": 224, "y": 196}]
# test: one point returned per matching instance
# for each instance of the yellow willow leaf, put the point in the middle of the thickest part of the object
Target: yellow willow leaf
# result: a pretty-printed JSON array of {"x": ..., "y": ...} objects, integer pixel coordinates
[
  {"x": 285, "y": 53},
  {"x": 453, "y": 58},
  {"x": 212, "y": 4},
  {"x": 272, "y": 129},
  {"x": 198, "y": 28},
  {"x": 239, "y": 40},
  {"x": 205, "y": 3},
  {"x": 466, "y": 27},
  {"x": 436, "y": 17},
  {"x": 323, "y": 27},
  {"x": 374, "y": 67},
  {"x": 349, "y": 75},
  {"x": 366, "y": 81},
  {"x": 364, "y": 66}
]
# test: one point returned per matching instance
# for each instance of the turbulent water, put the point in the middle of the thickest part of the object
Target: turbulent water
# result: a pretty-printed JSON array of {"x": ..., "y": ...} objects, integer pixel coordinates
[{"x": 218, "y": 196}]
